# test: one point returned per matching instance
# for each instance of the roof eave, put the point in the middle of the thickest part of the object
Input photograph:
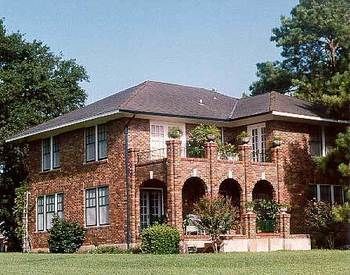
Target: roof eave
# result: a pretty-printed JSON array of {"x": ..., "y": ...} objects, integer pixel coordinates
[{"x": 306, "y": 117}]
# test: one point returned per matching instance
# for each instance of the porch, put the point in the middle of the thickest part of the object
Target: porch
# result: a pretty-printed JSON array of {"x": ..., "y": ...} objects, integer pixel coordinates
[{"x": 166, "y": 189}]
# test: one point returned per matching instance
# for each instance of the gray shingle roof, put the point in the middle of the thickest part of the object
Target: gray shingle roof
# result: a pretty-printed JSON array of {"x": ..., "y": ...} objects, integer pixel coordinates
[{"x": 178, "y": 100}]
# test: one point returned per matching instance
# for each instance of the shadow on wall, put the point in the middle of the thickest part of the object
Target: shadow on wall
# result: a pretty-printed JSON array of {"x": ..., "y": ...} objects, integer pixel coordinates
[{"x": 299, "y": 173}]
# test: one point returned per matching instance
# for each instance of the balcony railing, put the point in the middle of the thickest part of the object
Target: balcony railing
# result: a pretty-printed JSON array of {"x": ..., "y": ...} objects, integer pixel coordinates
[
  {"x": 145, "y": 156},
  {"x": 261, "y": 156}
]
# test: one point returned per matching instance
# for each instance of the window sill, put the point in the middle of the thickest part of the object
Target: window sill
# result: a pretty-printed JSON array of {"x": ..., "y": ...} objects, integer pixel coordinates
[
  {"x": 51, "y": 171},
  {"x": 97, "y": 226},
  {"x": 96, "y": 162}
]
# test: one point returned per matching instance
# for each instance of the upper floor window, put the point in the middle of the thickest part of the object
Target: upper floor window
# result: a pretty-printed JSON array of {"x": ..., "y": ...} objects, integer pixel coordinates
[
  {"x": 316, "y": 144},
  {"x": 50, "y": 153},
  {"x": 96, "y": 143},
  {"x": 96, "y": 206},
  {"x": 328, "y": 193},
  {"x": 48, "y": 206},
  {"x": 258, "y": 141}
]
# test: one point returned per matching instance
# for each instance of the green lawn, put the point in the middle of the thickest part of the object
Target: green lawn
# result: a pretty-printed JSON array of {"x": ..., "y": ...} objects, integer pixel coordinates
[{"x": 309, "y": 262}]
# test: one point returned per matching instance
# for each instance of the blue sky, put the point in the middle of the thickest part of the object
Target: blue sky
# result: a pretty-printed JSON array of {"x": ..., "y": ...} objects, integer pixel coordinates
[{"x": 211, "y": 44}]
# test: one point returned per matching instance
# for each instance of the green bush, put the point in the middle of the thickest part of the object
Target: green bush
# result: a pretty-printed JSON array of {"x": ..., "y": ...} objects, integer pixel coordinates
[
  {"x": 266, "y": 214},
  {"x": 65, "y": 236},
  {"x": 160, "y": 239},
  {"x": 108, "y": 250},
  {"x": 320, "y": 223}
]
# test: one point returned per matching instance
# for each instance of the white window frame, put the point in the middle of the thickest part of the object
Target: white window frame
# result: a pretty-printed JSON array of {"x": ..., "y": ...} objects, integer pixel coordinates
[
  {"x": 96, "y": 145},
  {"x": 51, "y": 154},
  {"x": 166, "y": 126},
  {"x": 318, "y": 191},
  {"x": 161, "y": 200},
  {"x": 261, "y": 147},
  {"x": 97, "y": 207},
  {"x": 45, "y": 210}
]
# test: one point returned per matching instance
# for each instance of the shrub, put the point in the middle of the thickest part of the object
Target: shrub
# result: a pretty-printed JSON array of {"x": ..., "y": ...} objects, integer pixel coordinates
[
  {"x": 266, "y": 214},
  {"x": 341, "y": 213},
  {"x": 160, "y": 239},
  {"x": 198, "y": 138},
  {"x": 320, "y": 224},
  {"x": 216, "y": 216},
  {"x": 107, "y": 250},
  {"x": 65, "y": 236}
]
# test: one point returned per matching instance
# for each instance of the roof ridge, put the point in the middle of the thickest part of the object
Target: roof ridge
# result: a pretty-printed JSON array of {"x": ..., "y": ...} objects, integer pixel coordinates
[
  {"x": 137, "y": 89},
  {"x": 233, "y": 109}
]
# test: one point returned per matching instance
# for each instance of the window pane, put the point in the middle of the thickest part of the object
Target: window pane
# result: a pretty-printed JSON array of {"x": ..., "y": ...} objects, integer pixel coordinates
[
  {"x": 102, "y": 149},
  {"x": 56, "y": 153},
  {"x": 91, "y": 216},
  {"x": 103, "y": 214},
  {"x": 60, "y": 205},
  {"x": 46, "y": 154},
  {"x": 313, "y": 193},
  {"x": 90, "y": 204},
  {"x": 315, "y": 144},
  {"x": 90, "y": 143},
  {"x": 325, "y": 191},
  {"x": 338, "y": 194},
  {"x": 50, "y": 210},
  {"x": 40, "y": 212}
]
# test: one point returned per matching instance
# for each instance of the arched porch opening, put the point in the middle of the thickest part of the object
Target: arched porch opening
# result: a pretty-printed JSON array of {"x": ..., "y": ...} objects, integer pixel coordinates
[
  {"x": 152, "y": 202},
  {"x": 193, "y": 190},
  {"x": 231, "y": 190},
  {"x": 263, "y": 190}
]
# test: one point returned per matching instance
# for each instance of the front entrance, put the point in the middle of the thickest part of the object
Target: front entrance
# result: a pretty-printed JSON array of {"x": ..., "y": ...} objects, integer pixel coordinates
[{"x": 151, "y": 206}]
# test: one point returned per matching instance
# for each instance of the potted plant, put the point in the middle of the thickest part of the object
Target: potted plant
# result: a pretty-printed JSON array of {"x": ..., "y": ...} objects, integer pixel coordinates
[
  {"x": 174, "y": 133},
  {"x": 276, "y": 141},
  {"x": 243, "y": 137},
  {"x": 211, "y": 137},
  {"x": 227, "y": 151}
]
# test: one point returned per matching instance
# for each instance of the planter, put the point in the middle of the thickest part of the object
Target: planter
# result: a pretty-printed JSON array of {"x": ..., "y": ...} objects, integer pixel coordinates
[
  {"x": 211, "y": 138},
  {"x": 276, "y": 143},
  {"x": 284, "y": 209},
  {"x": 245, "y": 140}
]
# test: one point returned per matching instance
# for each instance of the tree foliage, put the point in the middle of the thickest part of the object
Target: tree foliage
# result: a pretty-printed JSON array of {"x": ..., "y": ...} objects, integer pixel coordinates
[
  {"x": 216, "y": 217},
  {"x": 315, "y": 43},
  {"x": 35, "y": 85},
  {"x": 336, "y": 164},
  {"x": 199, "y": 136}
]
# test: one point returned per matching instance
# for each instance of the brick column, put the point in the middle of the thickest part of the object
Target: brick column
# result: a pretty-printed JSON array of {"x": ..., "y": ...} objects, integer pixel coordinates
[
  {"x": 174, "y": 194},
  {"x": 132, "y": 194},
  {"x": 275, "y": 157},
  {"x": 249, "y": 226},
  {"x": 284, "y": 224},
  {"x": 211, "y": 154},
  {"x": 245, "y": 155}
]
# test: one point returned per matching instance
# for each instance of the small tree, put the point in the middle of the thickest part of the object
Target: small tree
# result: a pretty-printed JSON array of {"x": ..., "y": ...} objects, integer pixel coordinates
[
  {"x": 65, "y": 236},
  {"x": 216, "y": 217}
]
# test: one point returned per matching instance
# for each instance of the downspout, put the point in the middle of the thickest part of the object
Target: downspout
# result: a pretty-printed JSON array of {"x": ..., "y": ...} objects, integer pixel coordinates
[{"x": 127, "y": 182}]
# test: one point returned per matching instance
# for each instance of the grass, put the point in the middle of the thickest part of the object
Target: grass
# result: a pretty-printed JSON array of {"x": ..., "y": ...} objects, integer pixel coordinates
[{"x": 297, "y": 262}]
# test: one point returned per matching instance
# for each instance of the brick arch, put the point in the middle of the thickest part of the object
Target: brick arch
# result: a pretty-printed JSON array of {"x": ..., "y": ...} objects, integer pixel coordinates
[
  {"x": 232, "y": 190},
  {"x": 263, "y": 189},
  {"x": 193, "y": 189}
]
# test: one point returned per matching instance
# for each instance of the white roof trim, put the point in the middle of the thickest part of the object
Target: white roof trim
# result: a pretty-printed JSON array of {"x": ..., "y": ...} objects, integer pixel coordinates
[
  {"x": 63, "y": 125},
  {"x": 317, "y": 118}
]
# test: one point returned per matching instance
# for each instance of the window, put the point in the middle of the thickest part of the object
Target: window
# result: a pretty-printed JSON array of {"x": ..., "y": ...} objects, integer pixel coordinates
[
  {"x": 97, "y": 206},
  {"x": 50, "y": 154},
  {"x": 151, "y": 206},
  {"x": 96, "y": 143},
  {"x": 258, "y": 141},
  {"x": 328, "y": 193},
  {"x": 48, "y": 207},
  {"x": 315, "y": 144},
  {"x": 159, "y": 136}
]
